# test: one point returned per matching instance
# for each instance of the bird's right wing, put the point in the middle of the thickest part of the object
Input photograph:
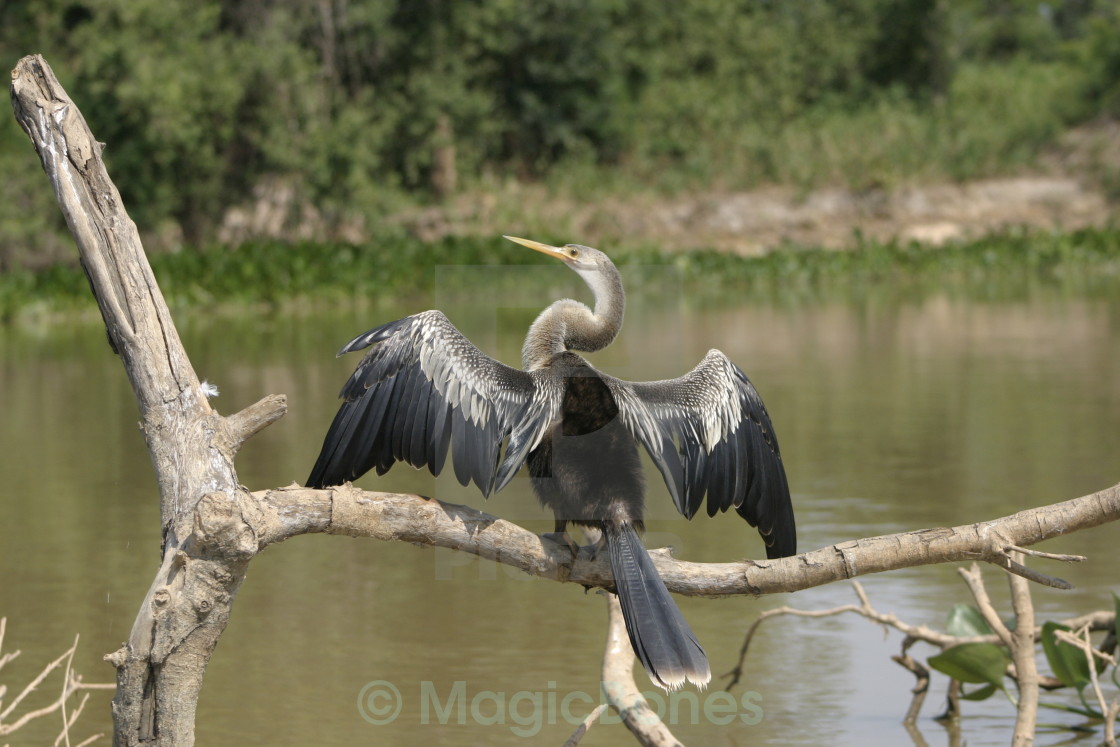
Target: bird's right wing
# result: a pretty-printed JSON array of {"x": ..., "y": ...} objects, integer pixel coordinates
[
  {"x": 423, "y": 389},
  {"x": 709, "y": 434}
]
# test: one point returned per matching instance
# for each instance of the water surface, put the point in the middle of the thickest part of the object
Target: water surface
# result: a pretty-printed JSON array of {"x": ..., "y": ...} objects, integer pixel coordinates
[{"x": 894, "y": 411}]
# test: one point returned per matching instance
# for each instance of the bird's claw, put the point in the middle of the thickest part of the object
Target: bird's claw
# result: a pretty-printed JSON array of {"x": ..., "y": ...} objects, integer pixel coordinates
[
  {"x": 564, "y": 539},
  {"x": 589, "y": 552}
]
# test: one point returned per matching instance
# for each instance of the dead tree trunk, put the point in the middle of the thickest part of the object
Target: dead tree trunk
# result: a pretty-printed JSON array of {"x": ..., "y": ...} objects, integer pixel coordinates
[
  {"x": 160, "y": 668},
  {"x": 212, "y": 527}
]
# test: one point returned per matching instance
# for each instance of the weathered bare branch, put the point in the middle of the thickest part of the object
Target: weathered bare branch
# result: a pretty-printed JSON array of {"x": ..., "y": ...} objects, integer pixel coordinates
[
  {"x": 256, "y": 417},
  {"x": 160, "y": 669},
  {"x": 137, "y": 319},
  {"x": 286, "y": 512},
  {"x": 975, "y": 581},
  {"x": 619, "y": 687},
  {"x": 1048, "y": 555},
  {"x": 864, "y": 609},
  {"x": 1006, "y": 560},
  {"x": 585, "y": 725},
  {"x": 1023, "y": 657},
  {"x": 921, "y": 686}
]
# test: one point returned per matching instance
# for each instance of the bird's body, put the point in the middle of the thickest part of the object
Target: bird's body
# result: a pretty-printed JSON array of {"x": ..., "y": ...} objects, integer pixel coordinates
[
  {"x": 586, "y": 468},
  {"x": 424, "y": 388}
]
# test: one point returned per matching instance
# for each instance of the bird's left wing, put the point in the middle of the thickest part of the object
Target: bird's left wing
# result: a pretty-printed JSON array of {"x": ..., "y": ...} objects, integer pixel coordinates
[
  {"x": 709, "y": 433},
  {"x": 425, "y": 389}
]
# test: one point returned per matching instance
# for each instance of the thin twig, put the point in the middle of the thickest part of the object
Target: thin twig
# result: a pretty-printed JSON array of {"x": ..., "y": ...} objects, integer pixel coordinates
[
  {"x": 66, "y": 693},
  {"x": 864, "y": 609},
  {"x": 585, "y": 725},
  {"x": 1046, "y": 555},
  {"x": 6, "y": 657},
  {"x": 71, "y": 682},
  {"x": 975, "y": 581},
  {"x": 9, "y": 728},
  {"x": 921, "y": 687},
  {"x": 1006, "y": 561},
  {"x": 64, "y": 735},
  {"x": 1083, "y": 640},
  {"x": 1078, "y": 637}
]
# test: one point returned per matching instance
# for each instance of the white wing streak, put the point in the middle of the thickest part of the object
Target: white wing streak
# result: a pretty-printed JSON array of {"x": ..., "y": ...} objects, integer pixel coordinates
[
  {"x": 423, "y": 388},
  {"x": 709, "y": 434}
]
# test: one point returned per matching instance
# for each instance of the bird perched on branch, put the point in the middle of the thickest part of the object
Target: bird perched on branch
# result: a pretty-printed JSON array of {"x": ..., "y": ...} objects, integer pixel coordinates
[{"x": 424, "y": 389}]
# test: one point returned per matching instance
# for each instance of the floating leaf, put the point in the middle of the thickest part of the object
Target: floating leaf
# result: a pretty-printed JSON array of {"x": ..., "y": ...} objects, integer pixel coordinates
[
  {"x": 1067, "y": 661},
  {"x": 965, "y": 621},
  {"x": 973, "y": 662},
  {"x": 980, "y": 693}
]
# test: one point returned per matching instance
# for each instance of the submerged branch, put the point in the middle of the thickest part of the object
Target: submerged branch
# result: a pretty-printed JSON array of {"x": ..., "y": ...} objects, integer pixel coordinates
[{"x": 1094, "y": 621}]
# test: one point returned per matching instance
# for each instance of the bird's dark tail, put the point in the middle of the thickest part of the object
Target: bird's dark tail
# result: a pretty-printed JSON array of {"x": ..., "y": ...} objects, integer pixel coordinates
[{"x": 658, "y": 632}]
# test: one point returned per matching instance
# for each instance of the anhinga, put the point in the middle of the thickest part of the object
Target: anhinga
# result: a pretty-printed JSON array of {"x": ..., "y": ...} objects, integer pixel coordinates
[{"x": 424, "y": 388}]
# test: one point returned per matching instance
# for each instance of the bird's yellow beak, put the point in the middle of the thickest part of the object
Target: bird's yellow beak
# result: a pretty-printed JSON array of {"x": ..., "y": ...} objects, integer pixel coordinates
[{"x": 552, "y": 251}]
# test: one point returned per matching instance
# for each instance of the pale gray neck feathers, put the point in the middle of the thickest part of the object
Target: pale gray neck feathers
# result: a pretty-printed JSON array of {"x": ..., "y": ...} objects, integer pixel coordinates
[{"x": 571, "y": 325}]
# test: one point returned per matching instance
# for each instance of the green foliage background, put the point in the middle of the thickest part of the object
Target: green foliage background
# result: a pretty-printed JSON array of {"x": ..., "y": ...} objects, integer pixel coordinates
[
  {"x": 273, "y": 275},
  {"x": 199, "y": 100}
]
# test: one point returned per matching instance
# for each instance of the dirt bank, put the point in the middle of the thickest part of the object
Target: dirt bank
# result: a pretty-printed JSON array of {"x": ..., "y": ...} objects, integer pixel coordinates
[
  {"x": 1063, "y": 193},
  {"x": 756, "y": 221}
]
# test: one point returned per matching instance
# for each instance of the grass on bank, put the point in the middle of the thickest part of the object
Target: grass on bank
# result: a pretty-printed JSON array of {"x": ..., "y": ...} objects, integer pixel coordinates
[{"x": 280, "y": 275}]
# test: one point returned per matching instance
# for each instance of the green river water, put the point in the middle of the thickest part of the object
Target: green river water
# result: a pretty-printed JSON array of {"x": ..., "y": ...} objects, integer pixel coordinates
[{"x": 895, "y": 411}]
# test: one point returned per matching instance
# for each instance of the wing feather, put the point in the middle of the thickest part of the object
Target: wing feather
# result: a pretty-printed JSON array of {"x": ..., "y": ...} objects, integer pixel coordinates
[
  {"x": 439, "y": 435},
  {"x": 369, "y": 421},
  {"x": 422, "y": 390},
  {"x": 709, "y": 434},
  {"x": 417, "y": 451},
  {"x": 404, "y": 406}
]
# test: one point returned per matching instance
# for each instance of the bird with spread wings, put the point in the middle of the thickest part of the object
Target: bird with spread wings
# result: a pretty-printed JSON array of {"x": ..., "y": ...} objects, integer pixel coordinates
[{"x": 424, "y": 390}]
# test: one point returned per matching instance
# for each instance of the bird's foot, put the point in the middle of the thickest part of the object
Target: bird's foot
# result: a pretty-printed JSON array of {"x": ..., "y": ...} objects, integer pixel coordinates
[
  {"x": 591, "y": 551},
  {"x": 563, "y": 538}
]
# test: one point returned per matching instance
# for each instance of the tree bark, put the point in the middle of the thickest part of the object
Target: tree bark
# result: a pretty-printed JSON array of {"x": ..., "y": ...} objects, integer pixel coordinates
[
  {"x": 160, "y": 668},
  {"x": 275, "y": 515},
  {"x": 212, "y": 527},
  {"x": 1026, "y": 668}
]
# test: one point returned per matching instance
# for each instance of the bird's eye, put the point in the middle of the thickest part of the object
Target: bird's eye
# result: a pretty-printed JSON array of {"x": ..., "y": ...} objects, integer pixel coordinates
[{"x": 573, "y": 253}]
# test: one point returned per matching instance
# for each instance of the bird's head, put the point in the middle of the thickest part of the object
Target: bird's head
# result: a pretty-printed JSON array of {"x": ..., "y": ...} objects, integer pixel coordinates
[
  {"x": 582, "y": 259},
  {"x": 570, "y": 325}
]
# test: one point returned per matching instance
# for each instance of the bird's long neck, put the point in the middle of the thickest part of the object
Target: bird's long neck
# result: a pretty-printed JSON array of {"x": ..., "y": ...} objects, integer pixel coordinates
[{"x": 571, "y": 325}]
